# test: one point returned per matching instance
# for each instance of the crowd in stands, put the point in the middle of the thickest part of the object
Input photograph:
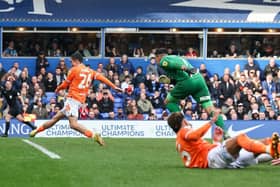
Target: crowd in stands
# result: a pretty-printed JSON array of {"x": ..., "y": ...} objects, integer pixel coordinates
[
  {"x": 253, "y": 93},
  {"x": 135, "y": 45}
]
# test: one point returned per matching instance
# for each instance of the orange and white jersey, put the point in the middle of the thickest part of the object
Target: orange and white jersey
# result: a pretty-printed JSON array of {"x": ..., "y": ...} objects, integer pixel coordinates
[
  {"x": 193, "y": 152},
  {"x": 80, "y": 79}
]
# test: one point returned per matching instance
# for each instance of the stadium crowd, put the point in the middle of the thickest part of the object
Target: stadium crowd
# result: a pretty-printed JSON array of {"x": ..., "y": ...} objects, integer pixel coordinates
[{"x": 240, "y": 95}]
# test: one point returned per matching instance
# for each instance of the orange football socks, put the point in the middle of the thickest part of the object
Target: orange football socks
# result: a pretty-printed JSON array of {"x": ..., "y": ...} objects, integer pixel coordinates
[
  {"x": 251, "y": 145},
  {"x": 88, "y": 133}
]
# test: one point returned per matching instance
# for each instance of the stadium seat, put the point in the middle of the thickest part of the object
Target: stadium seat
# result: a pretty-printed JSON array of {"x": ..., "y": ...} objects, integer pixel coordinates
[
  {"x": 118, "y": 100},
  {"x": 105, "y": 115},
  {"x": 50, "y": 95},
  {"x": 158, "y": 110}
]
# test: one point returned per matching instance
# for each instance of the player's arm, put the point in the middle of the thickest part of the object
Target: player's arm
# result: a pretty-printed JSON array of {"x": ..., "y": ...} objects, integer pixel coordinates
[
  {"x": 98, "y": 76},
  {"x": 194, "y": 135},
  {"x": 178, "y": 63},
  {"x": 66, "y": 82}
]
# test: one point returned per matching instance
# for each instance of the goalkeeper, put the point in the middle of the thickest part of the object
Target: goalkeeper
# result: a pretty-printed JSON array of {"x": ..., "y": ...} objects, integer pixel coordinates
[{"x": 188, "y": 82}]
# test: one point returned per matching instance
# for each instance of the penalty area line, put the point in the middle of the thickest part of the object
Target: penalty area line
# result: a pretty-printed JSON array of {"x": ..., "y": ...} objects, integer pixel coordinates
[{"x": 42, "y": 149}]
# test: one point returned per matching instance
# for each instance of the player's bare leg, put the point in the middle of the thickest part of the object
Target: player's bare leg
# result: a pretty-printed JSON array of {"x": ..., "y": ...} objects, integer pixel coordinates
[
  {"x": 73, "y": 121},
  {"x": 47, "y": 124}
]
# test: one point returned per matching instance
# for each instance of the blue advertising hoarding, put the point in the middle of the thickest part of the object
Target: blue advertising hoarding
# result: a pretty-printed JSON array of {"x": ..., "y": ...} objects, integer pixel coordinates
[{"x": 254, "y": 129}]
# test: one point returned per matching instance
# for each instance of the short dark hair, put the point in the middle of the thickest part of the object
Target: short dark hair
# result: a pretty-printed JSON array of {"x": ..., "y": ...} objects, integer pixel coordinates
[
  {"x": 161, "y": 51},
  {"x": 77, "y": 56},
  {"x": 175, "y": 121}
]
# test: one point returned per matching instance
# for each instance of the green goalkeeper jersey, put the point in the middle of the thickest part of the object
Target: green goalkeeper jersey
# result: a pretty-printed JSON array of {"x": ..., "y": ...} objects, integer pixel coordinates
[{"x": 172, "y": 65}]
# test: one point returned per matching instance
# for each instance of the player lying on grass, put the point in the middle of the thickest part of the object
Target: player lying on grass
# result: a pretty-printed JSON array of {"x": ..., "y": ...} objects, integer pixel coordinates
[
  {"x": 198, "y": 153},
  {"x": 188, "y": 82},
  {"x": 78, "y": 82}
]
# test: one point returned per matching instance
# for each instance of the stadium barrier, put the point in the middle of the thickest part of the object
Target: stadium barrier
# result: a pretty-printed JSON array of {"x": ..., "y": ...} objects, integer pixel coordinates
[{"x": 139, "y": 129}]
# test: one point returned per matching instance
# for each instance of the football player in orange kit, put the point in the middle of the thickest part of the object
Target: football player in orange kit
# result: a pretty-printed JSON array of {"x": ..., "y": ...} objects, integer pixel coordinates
[
  {"x": 78, "y": 81},
  {"x": 198, "y": 153}
]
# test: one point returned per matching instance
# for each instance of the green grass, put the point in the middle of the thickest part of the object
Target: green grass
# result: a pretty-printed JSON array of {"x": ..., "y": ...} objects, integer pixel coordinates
[{"x": 123, "y": 162}]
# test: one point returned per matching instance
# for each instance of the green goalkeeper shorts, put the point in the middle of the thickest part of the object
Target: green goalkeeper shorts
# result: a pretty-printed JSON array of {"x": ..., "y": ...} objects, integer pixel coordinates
[{"x": 194, "y": 86}]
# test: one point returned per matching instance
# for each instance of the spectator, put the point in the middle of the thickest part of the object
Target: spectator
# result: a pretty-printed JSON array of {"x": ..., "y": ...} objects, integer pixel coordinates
[
  {"x": 96, "y": 112},
  {"x": 271, "y": 68},
  {"x": 257, "y": 50},
  {"x": 204, "y": 116},
  {"x": 232, "y": 52},
  {"x": 256, "y": 84},
  {"x": 243, "y": 82},
  {"x": 269, "y": 85},
  {"x": 83, "y": 112},
  {"x": 23, "y": 78},
  {"x": 139, "y": 77},
  {"x": 34, "y": 51},
  {"x": 144, "y": 105},
  {"x": 152, "y": 68},
  {"x": 227, "y": 106},
  {"x": 191, "y": 53},
  {"x": 152, "y": 116},
  {"x": 215, "y": 91},
  {"x": 50, "y": 83},
  {"x": 2, "y": 71},
  {"x": 251, "y": 68},
  {"x": 41, "y": 62},
  {"x": 152, "y": 83},
  {"x": 40, "y": 110},
  {"x": 50, "y": 104},
  {"x": 135, "y": 115},
  {"x": 106, "y": 104},
  {"x": 236, "y": 73},
  {"x": 15, "y": 69},
  {"x": 126, "y": 82},
  {"x": 91, "y": 115},
  {"x": 124, "y": 75},
  {"x": 112, "y": 65},
  {"x": 59, "y": 76},
  {"x": 102, "y": 70},
  {"x": 138, "y": 52},
  {"x": 204, "y": 72},
  {"x": 125, "y": 64},
  {"x": 91, "y": 98},
  {"x": 120, "y": 115},
  {"x": 240, "y": 111},
  {"x": 233, "y": 116},
  {"x": 262, "y": 116},
  {"x": 111, "y": 116},
  {"x": 215, "y": 54},
  {"x": 227, "y": 88},
  {"x": 54, "y": 50},
  {"x": 62, "y": 65},
  {"x": 10, "y": 51},
  {"x": 83, "y": 51},
  {"x": 54, "y": 111},
  {"x": 157, "y": 101}
]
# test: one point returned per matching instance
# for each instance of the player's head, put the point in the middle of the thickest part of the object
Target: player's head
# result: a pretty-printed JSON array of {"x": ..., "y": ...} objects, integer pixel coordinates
[
  {"x": 160, "y": 52},
  {"x": 76, "y": 58},
  {"x": 176, "y": 120}
]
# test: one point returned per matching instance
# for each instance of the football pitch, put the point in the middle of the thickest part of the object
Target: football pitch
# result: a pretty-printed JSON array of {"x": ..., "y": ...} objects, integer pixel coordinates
[{"x": 122, "y": 162}]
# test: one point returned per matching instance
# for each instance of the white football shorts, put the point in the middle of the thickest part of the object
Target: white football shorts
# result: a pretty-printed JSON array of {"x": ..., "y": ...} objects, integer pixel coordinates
[{"x": 71, "y": 107}]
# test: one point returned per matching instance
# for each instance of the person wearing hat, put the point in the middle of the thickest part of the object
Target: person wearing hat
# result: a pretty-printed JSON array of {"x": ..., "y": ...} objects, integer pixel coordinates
[{"x": 188, "y": 82}]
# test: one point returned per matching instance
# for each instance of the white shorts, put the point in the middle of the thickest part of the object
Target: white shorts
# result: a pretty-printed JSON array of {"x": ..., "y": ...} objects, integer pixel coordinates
[
  {"x": 71, "y": 107},
  {"x": 219, "y": 157}
]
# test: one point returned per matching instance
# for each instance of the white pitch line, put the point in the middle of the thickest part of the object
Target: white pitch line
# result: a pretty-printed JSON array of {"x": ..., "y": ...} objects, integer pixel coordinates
[{"x": 43, "y": 150}]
